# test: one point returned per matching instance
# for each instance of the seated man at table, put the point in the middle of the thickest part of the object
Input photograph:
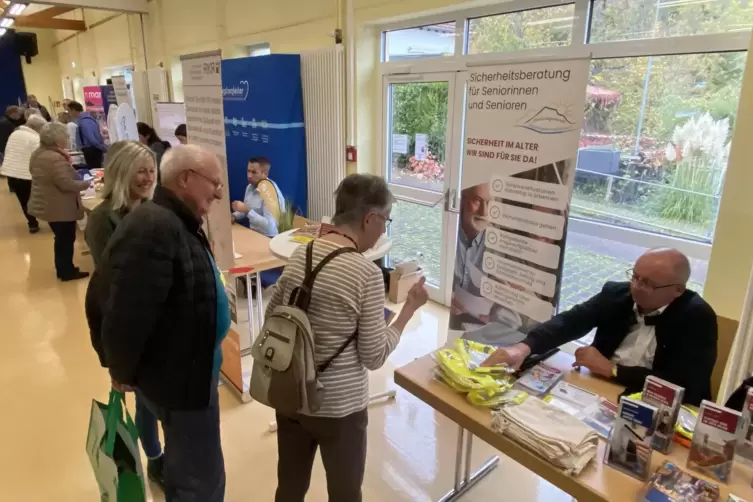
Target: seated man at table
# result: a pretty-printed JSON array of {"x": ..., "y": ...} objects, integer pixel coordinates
[
  {"x": 651, "y": 325},
  {"x": 263, "y": 200}
]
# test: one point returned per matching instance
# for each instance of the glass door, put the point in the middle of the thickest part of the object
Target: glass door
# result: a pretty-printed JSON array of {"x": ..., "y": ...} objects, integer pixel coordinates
[{"x": 421, "y": 165}]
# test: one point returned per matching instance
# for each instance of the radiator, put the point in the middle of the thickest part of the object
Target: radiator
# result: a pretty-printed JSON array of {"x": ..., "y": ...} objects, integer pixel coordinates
[{"x": 323, "y": 79}]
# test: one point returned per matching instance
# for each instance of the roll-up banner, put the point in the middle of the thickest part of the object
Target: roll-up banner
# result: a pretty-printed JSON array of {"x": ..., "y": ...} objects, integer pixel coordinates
[
  {"x": 523, "y": 123},
  {"x": 202, "y": 89}
]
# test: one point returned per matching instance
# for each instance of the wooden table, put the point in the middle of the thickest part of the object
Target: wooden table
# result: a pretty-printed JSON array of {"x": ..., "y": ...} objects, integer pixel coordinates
[{"x": 597, "y": 482}]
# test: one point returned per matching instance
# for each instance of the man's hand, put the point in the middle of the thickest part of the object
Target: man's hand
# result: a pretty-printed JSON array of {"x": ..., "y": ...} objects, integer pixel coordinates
[
  {"x": 592, "y": 359},
  {"x": 239, "y": 206},
  {"x": 513, "y": 356},
  {"x": 121, "y": 387}
]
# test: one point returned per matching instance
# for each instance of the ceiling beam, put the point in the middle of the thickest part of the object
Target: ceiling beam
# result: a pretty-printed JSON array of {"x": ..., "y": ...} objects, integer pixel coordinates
[
  {"x": 50, "y": 13},
  {"x": 51, "y": 23},
  {"x": 131, "y": 6}
]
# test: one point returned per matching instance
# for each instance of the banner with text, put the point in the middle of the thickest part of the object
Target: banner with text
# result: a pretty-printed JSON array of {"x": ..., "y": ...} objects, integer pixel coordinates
[
  {"x": 523, "y": 124},
  {"x": 202, "y": 90}
]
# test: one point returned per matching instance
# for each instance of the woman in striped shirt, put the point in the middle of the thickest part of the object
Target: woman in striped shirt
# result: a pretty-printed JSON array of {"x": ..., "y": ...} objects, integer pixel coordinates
[{"x": 348, "y": 295}]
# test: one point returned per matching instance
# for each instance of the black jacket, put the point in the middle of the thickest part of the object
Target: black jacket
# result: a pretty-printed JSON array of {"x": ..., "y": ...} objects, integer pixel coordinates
[
  {"x": 686, "y": 334},
  {"x": 7, "y": 126},
  {"x": 152, "y": 304}
]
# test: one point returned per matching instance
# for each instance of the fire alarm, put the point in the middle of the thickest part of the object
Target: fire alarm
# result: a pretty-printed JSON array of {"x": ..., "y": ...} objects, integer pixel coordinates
[{"x": 351, "y": 154}]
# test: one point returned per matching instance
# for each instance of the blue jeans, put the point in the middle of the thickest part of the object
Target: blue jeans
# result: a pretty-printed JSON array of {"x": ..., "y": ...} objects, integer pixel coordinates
[
  {"x": 146, "y": 423},
  {"x": 194, "y": 464}
]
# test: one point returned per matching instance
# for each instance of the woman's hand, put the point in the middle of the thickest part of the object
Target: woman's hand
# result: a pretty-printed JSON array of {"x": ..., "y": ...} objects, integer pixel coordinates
[
  {"x": 239, "y": 206},
  {"x": 417, "y": 295}
]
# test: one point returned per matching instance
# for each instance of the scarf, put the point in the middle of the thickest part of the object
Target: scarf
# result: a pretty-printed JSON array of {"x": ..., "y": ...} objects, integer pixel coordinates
[{"x": 65, "y": 154}]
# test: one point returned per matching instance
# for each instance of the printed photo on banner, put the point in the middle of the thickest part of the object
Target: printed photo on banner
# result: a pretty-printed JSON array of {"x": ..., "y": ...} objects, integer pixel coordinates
[{"x": 521, "y": 141}]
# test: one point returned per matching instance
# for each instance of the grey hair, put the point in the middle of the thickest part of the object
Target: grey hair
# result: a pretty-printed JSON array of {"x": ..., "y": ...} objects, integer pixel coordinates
[
  {"x": 124, "y": 159},
  {"x": 29, "y": 112},
  {"x": 53, "y": 135},
  {"x": 358, "y": 195},
  {"x": 36, "y": 122},
  {"x": 179, "y": 159}
]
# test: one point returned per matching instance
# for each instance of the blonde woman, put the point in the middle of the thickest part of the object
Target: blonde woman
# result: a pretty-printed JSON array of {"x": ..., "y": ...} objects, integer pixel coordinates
[{"x": 130, "y": 175}]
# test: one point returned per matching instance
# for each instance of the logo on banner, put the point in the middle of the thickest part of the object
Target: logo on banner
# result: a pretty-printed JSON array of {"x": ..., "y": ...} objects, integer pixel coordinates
[
  {"x": 549, "y": 121},
  {"x": 92, "y": 95},
  {"x": 237, "y": 92}
]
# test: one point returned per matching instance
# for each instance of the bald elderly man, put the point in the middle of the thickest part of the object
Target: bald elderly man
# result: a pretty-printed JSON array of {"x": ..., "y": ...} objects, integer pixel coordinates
[
  {"x": 158, "y": 312},
  {"x": 650, "y": 325}
]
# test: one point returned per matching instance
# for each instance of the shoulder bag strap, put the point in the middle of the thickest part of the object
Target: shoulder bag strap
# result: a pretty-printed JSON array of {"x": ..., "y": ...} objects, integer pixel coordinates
[
  {"x": 323, "y": 367},
  {"x": 301, "y": 296}
]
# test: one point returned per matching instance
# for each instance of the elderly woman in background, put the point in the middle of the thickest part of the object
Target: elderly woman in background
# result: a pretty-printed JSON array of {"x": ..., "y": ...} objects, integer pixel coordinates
[
  {"x": 21, "y": 144},
  {"x": 130, "y": 180},
  {"x": 347, "y": 316},
  {"x": 65, "y": 118},
  {"x": 55, "y": 196}
]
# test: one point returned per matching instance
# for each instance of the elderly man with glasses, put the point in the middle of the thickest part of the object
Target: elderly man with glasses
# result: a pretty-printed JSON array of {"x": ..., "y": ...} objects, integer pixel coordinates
[
  {"x": 648, "y": 325},
  {"x": 158, "y": 312}
]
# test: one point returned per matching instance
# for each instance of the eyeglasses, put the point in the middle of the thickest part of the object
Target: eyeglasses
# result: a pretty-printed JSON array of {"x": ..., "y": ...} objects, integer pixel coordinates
[
  {"x": 643, "y": 283},
  {"x": 387, "y": 221},
  {"x": 217, "y": 185}
]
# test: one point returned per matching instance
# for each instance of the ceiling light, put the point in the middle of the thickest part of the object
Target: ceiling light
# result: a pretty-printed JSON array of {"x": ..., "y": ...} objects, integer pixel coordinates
[
  {"x": 17, "y": 8},
  {"x": 6, "y": 23}
]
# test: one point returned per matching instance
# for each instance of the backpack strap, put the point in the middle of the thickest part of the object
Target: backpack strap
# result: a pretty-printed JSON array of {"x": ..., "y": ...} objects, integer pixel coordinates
[
  {"x": 322, "y": 367},
  {"x": 301, "y": 296}
]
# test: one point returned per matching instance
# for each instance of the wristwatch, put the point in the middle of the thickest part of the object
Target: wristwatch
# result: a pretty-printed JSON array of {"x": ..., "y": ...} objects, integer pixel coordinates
[{"x": 614, "y": 371}]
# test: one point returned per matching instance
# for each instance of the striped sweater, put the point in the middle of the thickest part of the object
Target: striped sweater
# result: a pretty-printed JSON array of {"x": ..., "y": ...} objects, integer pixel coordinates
[{"x": 348, "y": 293}]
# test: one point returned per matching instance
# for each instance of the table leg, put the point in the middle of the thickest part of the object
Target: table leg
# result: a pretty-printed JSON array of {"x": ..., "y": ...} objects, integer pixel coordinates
[
  {"x": 250, "y": 301},
  {"x": 259, "y": 301},
  {"x": 469, "y": 479}
]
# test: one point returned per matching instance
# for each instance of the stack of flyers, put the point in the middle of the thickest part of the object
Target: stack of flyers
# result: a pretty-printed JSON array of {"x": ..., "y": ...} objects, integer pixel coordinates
[
  {"x": 745, "y": 438},
  {"x": 667, "y": 397},
  {"x": 600, "y": 416},
  {"x": 570, "y": 398},
  {"x": 629, "y": 446},
  {"x": 712, "y": 450},
  {"x": 539, "y": 379},
  {"x": 671, "y": 484},
  {"x": 734, "y": 498}
]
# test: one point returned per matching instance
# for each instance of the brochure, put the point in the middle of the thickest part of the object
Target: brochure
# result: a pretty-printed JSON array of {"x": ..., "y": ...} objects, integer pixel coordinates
[
  {"x": 667, "y": 397},
  {"x": 735, "y": 498},
  {"x": 600, "y": 416},
  {"x": 671, "y": 484},
  {"x": 539, "y": 379},
  {"x": 712, "y": 450},
  {"x": 745, "y": 437},
  {"x": 573, "y": 394},
  {"x": 630, "y": 443}
]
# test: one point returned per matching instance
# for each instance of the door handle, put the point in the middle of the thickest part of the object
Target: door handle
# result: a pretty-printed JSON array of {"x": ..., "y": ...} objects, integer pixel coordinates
[{"x": 450, "y": 202}]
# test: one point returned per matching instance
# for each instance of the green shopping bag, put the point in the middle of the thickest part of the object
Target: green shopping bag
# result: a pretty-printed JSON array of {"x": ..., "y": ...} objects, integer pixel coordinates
[{"x": 113, "y": 448}]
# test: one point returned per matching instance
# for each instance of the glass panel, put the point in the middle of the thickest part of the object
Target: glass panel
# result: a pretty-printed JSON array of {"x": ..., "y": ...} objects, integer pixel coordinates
[
  {"x": 529, "y": 29},
  {"x": 422, "y": 42},
  {"x": 655, "y": 141},
  {"x": 418, "y": 132},
  {"x": 416, "y": 233},
  {"x": 642, "y": 19}
]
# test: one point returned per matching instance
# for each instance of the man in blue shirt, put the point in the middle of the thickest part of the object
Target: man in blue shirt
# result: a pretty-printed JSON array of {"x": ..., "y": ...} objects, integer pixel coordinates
[
  {"x": 259, "y": 215},
  {"x": 89, "y": 136}
]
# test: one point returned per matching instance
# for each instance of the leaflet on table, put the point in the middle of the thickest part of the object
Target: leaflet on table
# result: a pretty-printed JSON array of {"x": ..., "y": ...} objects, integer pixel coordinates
[
  {"x": 735, "y": 498},
  {"x": 630, "y": 443},
  {"x": 667, "y": 397},
  {"x": 600, "y": 416},
  {"x": 521, "y": 140},
  {"x": 712, "y": 450},
  {"x": 745, "y": 439},
  {"x": 539, "y": 379},
  {"x": 669, "y": 483}
]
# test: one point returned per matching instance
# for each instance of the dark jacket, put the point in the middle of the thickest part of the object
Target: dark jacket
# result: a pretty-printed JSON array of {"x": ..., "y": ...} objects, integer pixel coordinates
[
  {"x": 7, "y": 126},
  {"x": 100, "y": 225},
  {"x": 686, "y": 334},
  {"x": 152, "y": 304}
]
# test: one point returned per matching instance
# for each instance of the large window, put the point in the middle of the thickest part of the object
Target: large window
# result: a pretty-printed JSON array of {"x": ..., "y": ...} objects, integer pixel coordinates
[{"x": 422, "y": 42}]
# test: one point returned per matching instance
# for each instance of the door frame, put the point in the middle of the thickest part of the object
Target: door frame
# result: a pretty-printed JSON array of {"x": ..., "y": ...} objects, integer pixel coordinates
[{"x": 448, "y": 197}]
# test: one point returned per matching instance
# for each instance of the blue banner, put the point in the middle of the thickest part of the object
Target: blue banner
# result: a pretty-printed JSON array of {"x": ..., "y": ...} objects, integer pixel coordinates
[
  {"x": 263, "y": 104},
  {"x": 108, "y": 98}
]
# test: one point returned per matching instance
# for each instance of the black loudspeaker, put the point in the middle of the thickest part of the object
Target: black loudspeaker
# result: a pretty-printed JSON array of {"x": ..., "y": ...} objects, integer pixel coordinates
[{"x": 26, "y": 45}]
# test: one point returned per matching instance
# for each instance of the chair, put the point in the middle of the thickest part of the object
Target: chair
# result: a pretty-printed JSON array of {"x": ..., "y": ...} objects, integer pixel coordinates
[{"x": 727, "y": 329}]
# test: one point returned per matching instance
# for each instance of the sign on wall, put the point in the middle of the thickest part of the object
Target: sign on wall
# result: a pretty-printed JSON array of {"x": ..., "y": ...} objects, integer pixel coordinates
[
  {"x": 520, "y": 146},
  {"x": 202, "y": 88}
]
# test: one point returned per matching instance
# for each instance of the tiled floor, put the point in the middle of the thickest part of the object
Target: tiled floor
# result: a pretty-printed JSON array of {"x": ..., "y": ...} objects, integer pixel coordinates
[{"x": 49, "y": 374}]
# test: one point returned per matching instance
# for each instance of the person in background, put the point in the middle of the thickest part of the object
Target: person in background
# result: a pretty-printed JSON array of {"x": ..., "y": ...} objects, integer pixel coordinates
[
  {"x": 33, "y": 104},
  {"x": 55, "y": 196},
  {"x": 253, "y": 209},
  {"x": 149, "y": 137},
  {"x": 348, "y": 295},
  {"x": 21, "y": 144},
  {"x": 65, "y": 103},
  {"x": 14, "y": 117},
  {"x": 89, "y": 137},
  {"x": 181, "y": 134},
  {"x": 159, "y": 333},
  {"x": 65, "y": 118},
  {"x": 131, "y": 175},
  {"x": 649, "y": 325}
]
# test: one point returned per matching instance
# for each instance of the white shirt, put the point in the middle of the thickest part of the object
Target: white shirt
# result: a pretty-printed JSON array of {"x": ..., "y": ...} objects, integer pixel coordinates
[
  {"x": 639, "y": 346},
  {"x": 21, "y": 144}
]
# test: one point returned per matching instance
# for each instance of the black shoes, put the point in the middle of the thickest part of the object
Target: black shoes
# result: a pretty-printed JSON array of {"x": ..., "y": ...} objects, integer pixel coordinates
[
  {"x": 155, "y": 471},
  {"x": 74, "y": 275}
]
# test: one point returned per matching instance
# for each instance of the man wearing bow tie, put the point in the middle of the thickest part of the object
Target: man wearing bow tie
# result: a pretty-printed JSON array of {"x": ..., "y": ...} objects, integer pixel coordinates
[{"x": 650, "y": 325}]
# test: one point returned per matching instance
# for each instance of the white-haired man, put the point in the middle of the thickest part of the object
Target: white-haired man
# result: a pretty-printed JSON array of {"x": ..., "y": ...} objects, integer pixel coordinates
[{"x": 157, "y": 313}]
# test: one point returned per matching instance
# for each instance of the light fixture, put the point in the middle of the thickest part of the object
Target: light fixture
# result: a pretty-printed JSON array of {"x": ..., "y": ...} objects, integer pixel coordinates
[
  {"x": 17, "y": 8},
  {"x": 6, "y": 22},
  {"x": 2, "y": 31},
  {"x": 73, "y": 64}
]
